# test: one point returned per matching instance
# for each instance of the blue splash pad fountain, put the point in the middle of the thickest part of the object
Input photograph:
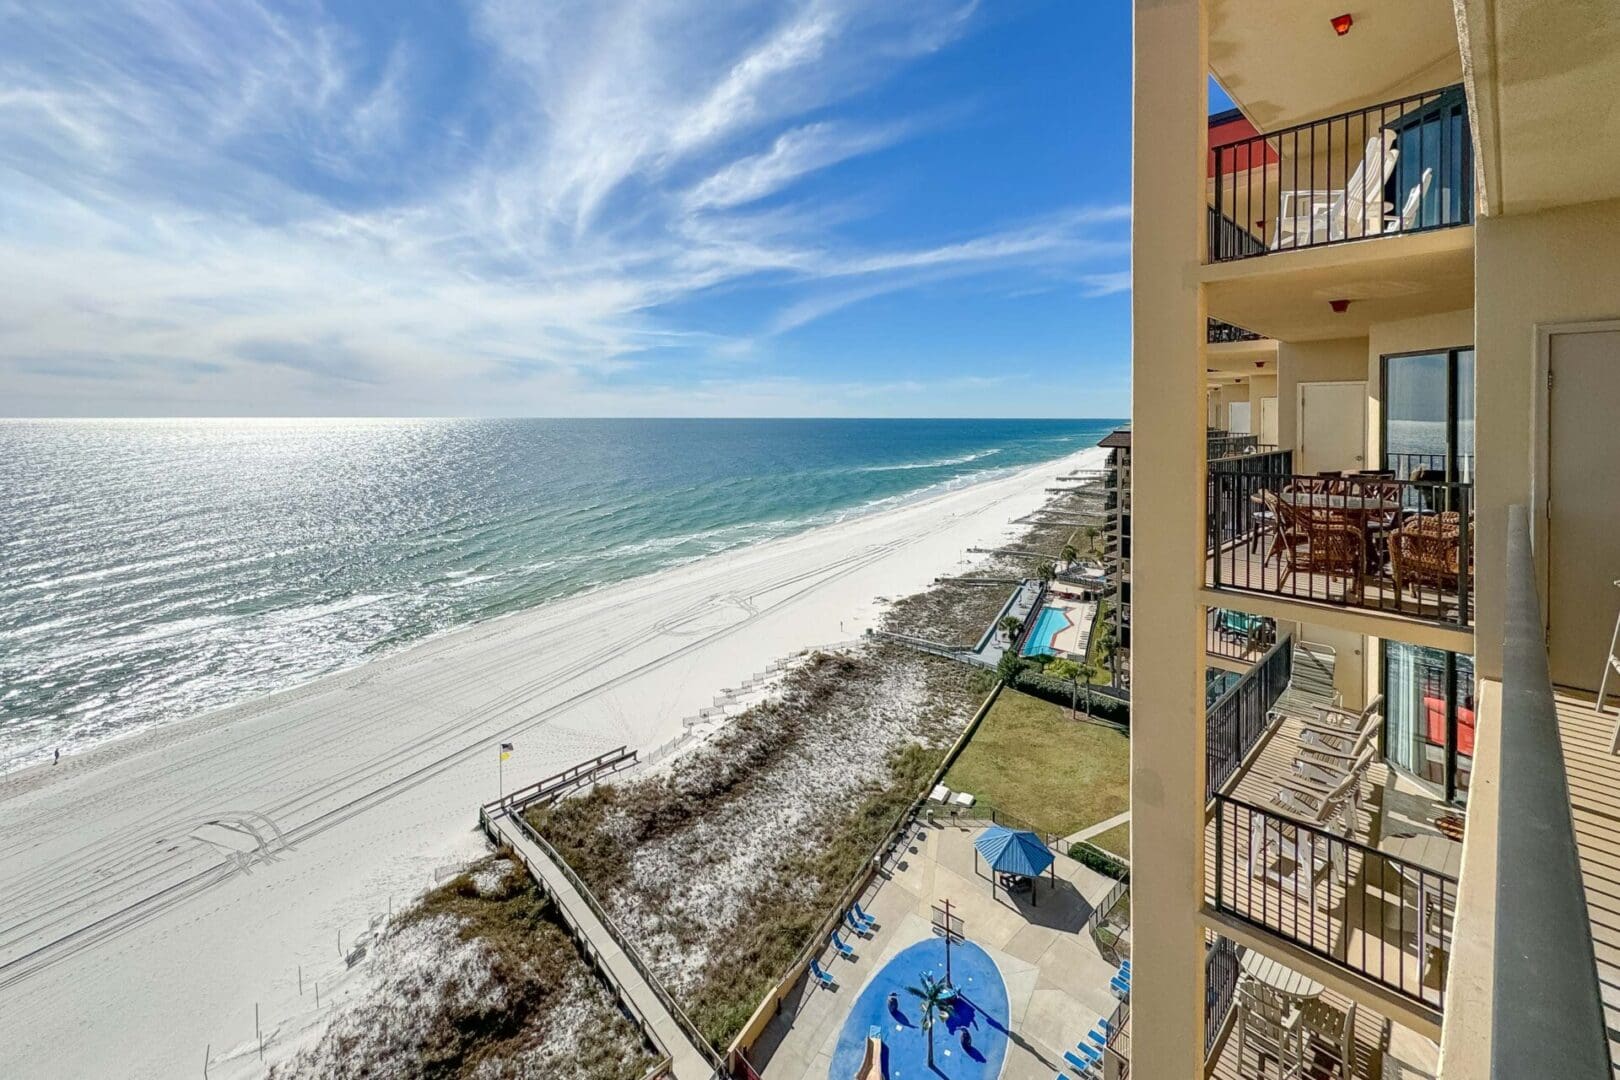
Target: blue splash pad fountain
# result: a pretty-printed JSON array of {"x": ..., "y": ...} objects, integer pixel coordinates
[{"x": 980, "y": 1007}]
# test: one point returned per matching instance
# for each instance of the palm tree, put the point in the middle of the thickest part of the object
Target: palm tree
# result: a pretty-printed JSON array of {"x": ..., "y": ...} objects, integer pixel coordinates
[
  {"x": 1088, "y": 671},
  {"x": 1046, "y": 571},
  {"x": 1069, "y": 554},
  {"x": 936, "y": 996},
  {"x": 1092, "y": 532},
  {"x": 1068, "y": 671},
  {"x": 1010, "y": 625}
]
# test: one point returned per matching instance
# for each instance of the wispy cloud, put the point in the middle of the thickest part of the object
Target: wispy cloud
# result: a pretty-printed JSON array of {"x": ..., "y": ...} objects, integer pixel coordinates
[
  {"x": 1115, "y": 281},
  {"x": 257, "y": 202}
]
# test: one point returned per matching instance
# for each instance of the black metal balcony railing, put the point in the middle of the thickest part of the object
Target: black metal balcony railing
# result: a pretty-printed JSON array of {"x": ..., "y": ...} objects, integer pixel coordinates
[
  {"x": 1220, "y": 986},
  {"x": 1237, "y": 719},
  {"x": 1272, "y": 463},
  {"x": 1410, "y": 466},
  {"x": 1402, "y": 166},
  {"x": 1225, "y": 444},
  {"x": 1219, "y": 333},
  {"x": 1367, "y": 541},
  {"x": 1235, "y": 635},
  {"x": 1547, "y": 1016},
  {"x": 1389, "y": 920}
]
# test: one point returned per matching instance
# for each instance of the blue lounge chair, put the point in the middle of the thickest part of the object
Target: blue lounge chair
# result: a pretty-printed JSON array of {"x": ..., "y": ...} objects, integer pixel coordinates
[
  {"x": 856, "y": 925},
  {"x": 842, "y": 946},
  {"x": 821, "y": 976},
  {"x": 1092, "y": 1056},
  {"x": 1098, "y": 1037},
  {"x": 1078, "y": 1063},
  {"x": 1121, "y": 989},
  {"x": 860, "y": 913}
]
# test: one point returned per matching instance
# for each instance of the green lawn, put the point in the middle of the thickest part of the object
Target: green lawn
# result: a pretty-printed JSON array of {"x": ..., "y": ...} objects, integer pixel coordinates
[
  {"x": 1117, "y": 840},
  {"x": 1029, "y": 759}
]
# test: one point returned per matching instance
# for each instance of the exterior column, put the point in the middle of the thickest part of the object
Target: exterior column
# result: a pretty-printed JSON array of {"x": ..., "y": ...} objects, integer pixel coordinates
[{"x": 1168, "y": 461}]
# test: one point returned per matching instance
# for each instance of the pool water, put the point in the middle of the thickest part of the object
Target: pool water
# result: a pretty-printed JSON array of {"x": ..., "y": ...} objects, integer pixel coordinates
[
  {"x": 980, "y": 1009},
  {"x": 1049, "y": 622}
]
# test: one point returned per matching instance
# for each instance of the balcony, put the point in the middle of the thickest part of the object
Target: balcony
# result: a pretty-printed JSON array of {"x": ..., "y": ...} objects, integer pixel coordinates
[
  {"x": 1340, "y": 1041},
  {"x": 1363, "y": 874},
  {"x": 1541, "y": 917},
  {"x": 1223, "y": 333},
  {"x": 1226, "y": 444},
  {"x": 1400, "y": 167},
  {"x": 1238, "y": 637},
  {"x": 1369, "y": 542}
]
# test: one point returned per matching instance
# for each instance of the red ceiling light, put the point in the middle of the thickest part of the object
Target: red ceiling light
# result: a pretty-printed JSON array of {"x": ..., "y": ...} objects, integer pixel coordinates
[
  {"x": 1339, "y": 306},
  {"x": 1342, "y": 24}
]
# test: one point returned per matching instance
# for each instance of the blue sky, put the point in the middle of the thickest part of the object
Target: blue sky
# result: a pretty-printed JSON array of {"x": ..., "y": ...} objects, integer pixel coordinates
[{"x": 514, "y": 207}]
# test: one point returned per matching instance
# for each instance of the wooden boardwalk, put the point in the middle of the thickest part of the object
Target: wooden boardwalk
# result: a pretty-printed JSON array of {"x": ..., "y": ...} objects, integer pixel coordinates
[{"x": 686, "y": 1061}]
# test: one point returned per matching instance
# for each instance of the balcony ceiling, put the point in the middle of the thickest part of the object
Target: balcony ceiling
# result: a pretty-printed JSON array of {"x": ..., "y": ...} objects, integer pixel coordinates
[
  {"x": 1286, "y": 295},
  {"x": 1282, "y": 63},
  {"x": 1545, "y": 82}
]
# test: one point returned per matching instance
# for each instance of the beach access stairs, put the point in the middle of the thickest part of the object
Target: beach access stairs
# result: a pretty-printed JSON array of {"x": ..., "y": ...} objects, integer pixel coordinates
[{"x": 684, "y": 1053}]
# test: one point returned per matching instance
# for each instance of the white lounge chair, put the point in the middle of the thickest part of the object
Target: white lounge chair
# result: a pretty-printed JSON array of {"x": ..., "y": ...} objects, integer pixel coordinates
[
  {"x": 1317, "y": 216},
  {"x": 1327, "y": 765},
  {"x": 1338, "y": 727},
  {"x": 1408, "y": 219},
  {"x": 1316, "y": 803}
]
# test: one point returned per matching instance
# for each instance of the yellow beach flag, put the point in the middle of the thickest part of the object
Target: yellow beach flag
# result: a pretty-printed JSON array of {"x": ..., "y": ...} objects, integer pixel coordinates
[{"x": 506, "y": 750}]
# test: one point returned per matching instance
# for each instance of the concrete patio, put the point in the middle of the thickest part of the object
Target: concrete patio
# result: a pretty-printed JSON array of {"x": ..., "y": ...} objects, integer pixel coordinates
[{"x": 1057, "y": 982}]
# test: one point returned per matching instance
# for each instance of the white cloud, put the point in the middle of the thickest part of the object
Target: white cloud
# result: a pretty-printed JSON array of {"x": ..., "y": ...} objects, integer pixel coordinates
[{"x": 195, "y": 199}]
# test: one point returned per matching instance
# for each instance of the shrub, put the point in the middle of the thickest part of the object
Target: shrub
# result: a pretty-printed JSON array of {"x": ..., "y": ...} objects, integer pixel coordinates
[
  {"x": 1029, "y": 679},
  {"x": 1099, "y": 860}
]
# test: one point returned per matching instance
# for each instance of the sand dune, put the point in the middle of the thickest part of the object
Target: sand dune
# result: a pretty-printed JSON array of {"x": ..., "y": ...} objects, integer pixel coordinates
[{"x": 160, "y": 886}]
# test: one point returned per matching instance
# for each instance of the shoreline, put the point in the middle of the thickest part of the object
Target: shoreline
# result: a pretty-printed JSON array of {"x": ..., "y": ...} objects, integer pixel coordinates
[
  {"x": 130, "y": 862},
  {"x": 888, "y": 504}
]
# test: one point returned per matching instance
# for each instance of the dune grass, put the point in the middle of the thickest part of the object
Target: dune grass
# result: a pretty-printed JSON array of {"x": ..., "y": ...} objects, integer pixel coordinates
[{"x": 1030, "y": 760}]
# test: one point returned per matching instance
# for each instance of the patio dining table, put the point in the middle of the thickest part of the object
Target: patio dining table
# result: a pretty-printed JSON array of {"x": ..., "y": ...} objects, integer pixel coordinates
[
  {"x": 1337, "y": 503},
  {"x": 1360, "y": 511},
  {"x": 1426, "y": 859}
]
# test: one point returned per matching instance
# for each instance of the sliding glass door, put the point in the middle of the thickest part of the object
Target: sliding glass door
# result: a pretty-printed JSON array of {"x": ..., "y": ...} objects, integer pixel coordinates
[
  {"x": 1429, "y": 716},
  {"x": 1428, "y": 411}
]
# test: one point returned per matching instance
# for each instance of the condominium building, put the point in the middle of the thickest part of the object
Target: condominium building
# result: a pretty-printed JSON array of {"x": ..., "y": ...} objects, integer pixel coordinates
[{"x": 1386, "y": 841}]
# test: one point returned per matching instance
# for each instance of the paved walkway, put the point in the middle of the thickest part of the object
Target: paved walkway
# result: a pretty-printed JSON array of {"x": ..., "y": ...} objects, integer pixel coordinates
[
  {"x": 1093, "y": 830},
  {"x": 1057, "y": 982},
  {"x": 687, "y": 1062}
]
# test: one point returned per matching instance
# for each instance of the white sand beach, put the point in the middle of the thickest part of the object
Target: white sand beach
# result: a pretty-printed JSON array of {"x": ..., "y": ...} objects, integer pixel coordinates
[{"x": 159, "y": 887}]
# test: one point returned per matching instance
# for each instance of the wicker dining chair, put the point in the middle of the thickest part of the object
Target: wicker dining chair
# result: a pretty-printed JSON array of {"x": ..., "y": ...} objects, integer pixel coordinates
[
  {"x": 1426, "y": 550},
  {"x": 1321, "y": 542}
]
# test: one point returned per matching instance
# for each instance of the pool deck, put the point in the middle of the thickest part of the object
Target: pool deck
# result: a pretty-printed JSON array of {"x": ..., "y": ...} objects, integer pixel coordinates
[{"x": 1057, "y": 982}]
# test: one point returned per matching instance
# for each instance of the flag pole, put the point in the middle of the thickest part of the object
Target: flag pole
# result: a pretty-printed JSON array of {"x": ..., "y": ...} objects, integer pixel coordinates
[{"x": 500, "y": 771}]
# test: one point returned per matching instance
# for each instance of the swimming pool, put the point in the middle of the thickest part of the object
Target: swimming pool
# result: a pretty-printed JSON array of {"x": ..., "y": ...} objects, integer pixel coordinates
[
  {"x": 1049, "y": 622},
  {"x": 980, "y": 1010}
]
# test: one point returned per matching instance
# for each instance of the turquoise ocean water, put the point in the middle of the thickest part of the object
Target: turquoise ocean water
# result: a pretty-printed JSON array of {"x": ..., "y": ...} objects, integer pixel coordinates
[{"x": 153, "y": 569}]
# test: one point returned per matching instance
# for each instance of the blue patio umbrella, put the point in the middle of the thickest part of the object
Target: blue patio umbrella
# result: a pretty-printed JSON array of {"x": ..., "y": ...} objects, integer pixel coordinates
[{"x": 1017, "y": 852}]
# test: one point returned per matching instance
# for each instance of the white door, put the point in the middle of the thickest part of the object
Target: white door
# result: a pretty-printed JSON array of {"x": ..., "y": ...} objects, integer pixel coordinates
[
  {"x": 1332, "y": 426},
  {"x": 1583, "y": 526},
  {"x": 1238, "y": 418},
  {"x": 1268, "y": 421}
]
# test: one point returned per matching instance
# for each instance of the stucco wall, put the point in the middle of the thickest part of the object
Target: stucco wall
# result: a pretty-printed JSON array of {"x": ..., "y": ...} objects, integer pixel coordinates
[
  {"x": 1337, "y": 360},
  {"x": 1534, "y": 270}
]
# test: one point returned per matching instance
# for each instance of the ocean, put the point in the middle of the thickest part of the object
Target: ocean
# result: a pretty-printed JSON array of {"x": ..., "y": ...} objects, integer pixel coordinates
[{"x": 154, "y": 569}]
